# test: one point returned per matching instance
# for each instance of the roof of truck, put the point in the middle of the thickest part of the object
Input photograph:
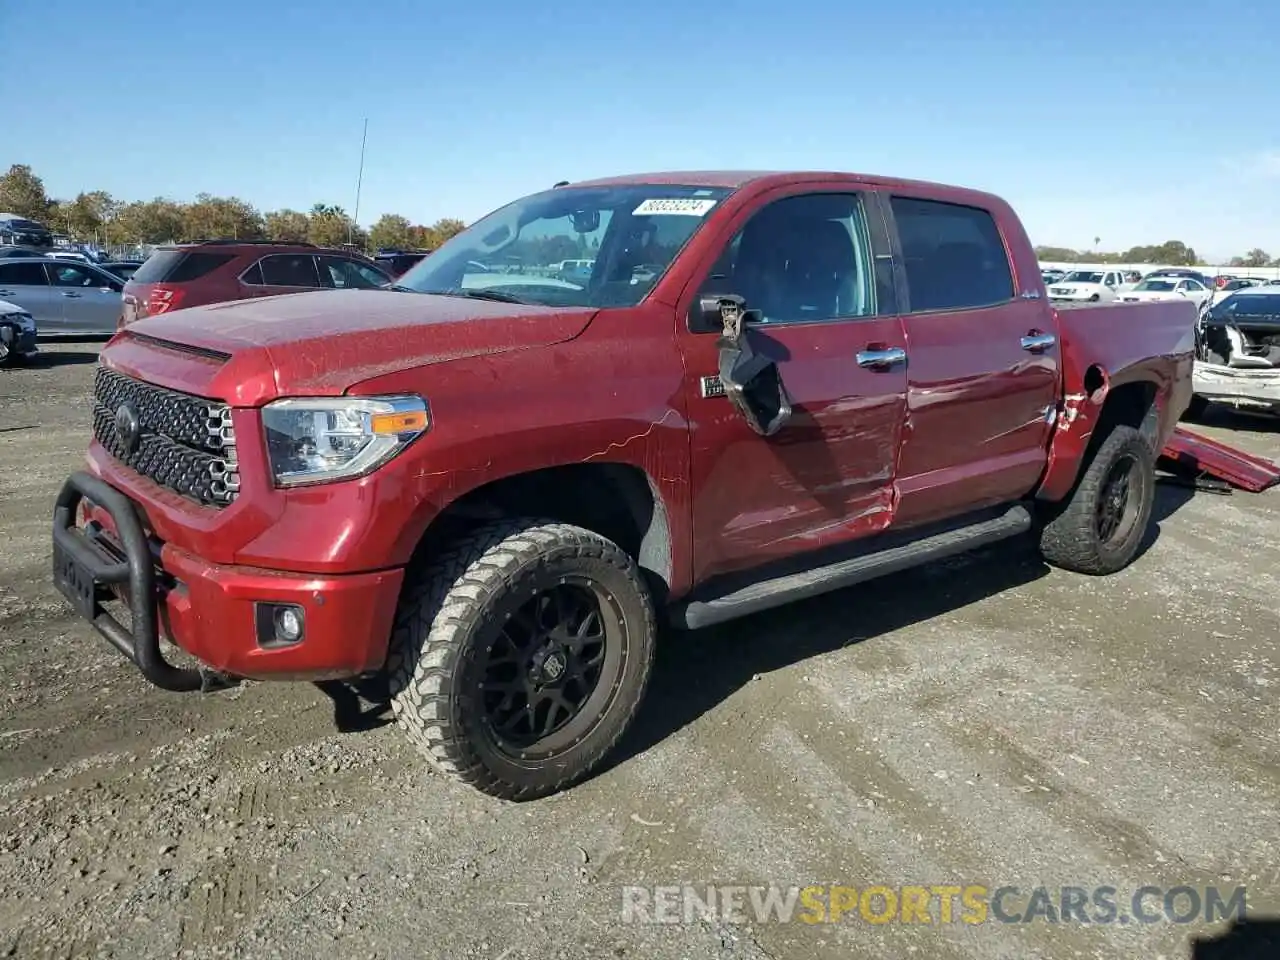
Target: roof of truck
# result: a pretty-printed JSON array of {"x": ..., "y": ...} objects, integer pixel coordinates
[{"x": 734, "y": 179}]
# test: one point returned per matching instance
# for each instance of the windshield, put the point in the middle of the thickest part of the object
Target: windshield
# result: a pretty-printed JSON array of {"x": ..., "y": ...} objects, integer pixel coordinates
[
  {"x": 1161, "y": 285},
  {"x": 1244, "y": 305},
  {"x": 572, "y": 246},
  {"x": 26, "y": 225},
  {"x": 1082, "y": 276}
]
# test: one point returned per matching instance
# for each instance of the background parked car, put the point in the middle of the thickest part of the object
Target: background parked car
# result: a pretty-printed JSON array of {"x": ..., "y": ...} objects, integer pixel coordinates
[
  {"x": 213, "y": 271},
  {"x": 19, "y": 230},
  {"x": 124, "y": 269},
  {"x": 17, "y": 334},
  {"x": 1169, "y": 288},
  {"x": 1096, "y": 286},
  {"x": 66, "y": 298},
  {"x": 398, "y": 262}
]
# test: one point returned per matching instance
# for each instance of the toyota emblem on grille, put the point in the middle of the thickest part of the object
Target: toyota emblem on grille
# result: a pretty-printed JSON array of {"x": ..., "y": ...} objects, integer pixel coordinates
[{"x": 128, "y": 427}]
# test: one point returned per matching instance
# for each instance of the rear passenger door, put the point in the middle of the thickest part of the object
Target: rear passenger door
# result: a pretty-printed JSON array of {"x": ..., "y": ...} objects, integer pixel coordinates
[
  {"x": 25, "y": 284},
  {"x": 979, "y": 394},
  {"x": 282, "y": 273}
]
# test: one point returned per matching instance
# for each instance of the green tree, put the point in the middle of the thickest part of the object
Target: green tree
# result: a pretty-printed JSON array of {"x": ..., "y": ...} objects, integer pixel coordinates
[
  {"x": 330, "y": 226},
  {"x": 1058, "y": 254},
  {"x": 287, "y": 226},
  {"x": 391, "y": 230},
  {"x": 1173, "y": 253},
  {"x": 1256, "y": 258},
  {"x": 148, "y": 221},
  {"x": 211, "y": 218},
  {"x": 22, "y": 192},
  {"x": 84, "y": 218}
]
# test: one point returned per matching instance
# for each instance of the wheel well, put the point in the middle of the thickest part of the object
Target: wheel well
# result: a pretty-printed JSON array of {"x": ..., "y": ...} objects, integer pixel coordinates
[
  {"x": 615, "y": 500},
  {"x": 1129, "y": 405}
]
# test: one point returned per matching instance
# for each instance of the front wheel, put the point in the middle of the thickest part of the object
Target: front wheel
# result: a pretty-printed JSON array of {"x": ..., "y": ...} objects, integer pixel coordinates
[
  {"x": 1099, "y": 528},
  {"x": 520, "y": 655}
]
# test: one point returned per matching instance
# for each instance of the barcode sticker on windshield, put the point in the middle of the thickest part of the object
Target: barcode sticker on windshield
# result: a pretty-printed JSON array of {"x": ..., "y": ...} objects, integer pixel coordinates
[{"x": 674, "y": 206}]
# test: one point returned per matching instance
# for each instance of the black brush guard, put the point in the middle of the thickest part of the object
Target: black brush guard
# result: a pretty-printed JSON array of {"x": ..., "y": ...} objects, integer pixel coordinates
[{"x": 83, "y": 572}]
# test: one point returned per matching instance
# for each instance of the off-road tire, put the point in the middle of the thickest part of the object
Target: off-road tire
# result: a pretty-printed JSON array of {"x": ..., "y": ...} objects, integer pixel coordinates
[
  {"x": 1069, "y": 535},
  {"x": 456, "y": 599}
]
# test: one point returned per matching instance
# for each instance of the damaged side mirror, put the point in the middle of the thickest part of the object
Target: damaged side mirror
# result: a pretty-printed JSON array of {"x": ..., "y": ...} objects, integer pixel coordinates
[{"x": 752, "y": 382}]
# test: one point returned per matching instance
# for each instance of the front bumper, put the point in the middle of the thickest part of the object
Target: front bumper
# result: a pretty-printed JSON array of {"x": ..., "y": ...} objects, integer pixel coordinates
[
  {"x": 212, "y": 611},
  {"x": 20, "y": 342},
  {"x": 1241, "y": 387}
]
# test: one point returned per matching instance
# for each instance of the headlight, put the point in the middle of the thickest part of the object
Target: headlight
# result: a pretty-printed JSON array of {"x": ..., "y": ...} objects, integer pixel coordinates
[
  {"x": 24, "y": 321},
  {"x": 337, "y": 438}
]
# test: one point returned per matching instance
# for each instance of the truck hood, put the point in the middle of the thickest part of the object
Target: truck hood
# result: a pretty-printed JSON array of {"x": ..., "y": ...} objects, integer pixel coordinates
[{"x": 323, "y": 343}]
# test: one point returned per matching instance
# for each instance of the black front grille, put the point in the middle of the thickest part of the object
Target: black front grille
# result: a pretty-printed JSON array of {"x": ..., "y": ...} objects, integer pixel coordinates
[{"x": 183, "y": 442}]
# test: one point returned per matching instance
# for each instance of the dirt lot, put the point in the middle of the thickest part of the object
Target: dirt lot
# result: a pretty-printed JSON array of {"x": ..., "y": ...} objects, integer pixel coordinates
[{"x": 986, "y": 721}]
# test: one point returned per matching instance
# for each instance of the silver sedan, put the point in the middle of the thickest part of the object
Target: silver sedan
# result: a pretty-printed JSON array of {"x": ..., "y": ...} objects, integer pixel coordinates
[{"x": 66, "y": 298}]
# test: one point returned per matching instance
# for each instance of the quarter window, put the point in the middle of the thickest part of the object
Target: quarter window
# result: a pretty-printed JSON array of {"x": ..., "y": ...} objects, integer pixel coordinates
[
  {"x": 801, "y": 258},
  {"x": 953, "y": 255}
]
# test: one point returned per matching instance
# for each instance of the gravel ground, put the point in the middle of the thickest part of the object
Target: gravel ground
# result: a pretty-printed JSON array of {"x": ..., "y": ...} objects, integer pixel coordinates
[{"x": 983, "y": 721}]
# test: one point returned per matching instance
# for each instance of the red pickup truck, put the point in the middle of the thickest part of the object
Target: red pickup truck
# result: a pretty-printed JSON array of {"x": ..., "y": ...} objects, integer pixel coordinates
[{"x": 492, "y": 485}]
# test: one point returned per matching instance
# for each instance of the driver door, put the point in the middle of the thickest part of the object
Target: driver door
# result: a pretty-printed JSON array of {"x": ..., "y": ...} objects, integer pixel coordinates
[
  {"x": 91, "y": 301},
  {"x": 807, "y": 257}
]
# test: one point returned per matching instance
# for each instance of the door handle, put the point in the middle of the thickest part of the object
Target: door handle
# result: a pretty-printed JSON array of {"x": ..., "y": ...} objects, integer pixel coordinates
[
  {"x": 1038, "y": 342},
  {"x": 7, "y": 293},
  {"x": 72, "y": 294},
  {"x": 881, "y": 359}
]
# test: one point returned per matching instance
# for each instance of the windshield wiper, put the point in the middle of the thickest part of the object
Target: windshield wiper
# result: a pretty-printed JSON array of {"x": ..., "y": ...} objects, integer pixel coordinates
[
  {"x": 479, "y": 295},
  {"x": 399, "y": 288}
]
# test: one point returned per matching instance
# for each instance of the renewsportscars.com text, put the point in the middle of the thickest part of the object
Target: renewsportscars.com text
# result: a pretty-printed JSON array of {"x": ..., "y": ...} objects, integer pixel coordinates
[{"x": 934, "y": 904}]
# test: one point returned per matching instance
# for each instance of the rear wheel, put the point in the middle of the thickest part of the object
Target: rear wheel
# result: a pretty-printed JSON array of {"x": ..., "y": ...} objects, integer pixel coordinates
[
  {"x": 1099, "y": 528},
  {"x": 519, "y": 657}
]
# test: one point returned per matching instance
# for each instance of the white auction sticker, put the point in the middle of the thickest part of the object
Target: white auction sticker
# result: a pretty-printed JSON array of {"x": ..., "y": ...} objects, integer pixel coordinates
[{"x": 674, "y": 206}]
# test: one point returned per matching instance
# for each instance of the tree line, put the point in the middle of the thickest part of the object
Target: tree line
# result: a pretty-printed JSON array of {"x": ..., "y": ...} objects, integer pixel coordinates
[
  {"x": 1173, "y": 253},
  {"x": 96, "y": 216}
]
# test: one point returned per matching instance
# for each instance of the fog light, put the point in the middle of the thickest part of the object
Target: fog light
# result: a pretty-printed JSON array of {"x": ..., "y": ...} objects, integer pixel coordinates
[
  {"x": 288, "y": 624},
  {"x": 280, "y": 624}
]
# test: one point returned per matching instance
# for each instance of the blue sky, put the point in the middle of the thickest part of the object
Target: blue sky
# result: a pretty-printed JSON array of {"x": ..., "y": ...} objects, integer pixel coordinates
[{"x": 1095, "y": 119}]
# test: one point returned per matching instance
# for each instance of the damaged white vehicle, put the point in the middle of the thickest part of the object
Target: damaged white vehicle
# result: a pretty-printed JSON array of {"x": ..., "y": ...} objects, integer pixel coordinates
[{"x": 1238, "y": 352}]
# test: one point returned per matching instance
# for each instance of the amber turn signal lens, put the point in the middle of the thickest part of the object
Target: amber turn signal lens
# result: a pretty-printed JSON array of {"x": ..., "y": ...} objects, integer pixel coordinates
[{"x": 413, "y": 421}]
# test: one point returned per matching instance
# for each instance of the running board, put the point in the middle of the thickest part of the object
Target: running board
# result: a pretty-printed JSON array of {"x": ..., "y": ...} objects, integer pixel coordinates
[{"x": 766, "y": 594}]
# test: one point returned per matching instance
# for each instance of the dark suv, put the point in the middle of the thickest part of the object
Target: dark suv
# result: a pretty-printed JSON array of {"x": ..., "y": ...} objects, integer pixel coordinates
[{"x": 211, "y": 271}]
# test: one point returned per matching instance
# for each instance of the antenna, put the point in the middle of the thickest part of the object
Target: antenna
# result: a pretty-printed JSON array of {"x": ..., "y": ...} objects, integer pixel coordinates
[{"x": 355, "y": 219}]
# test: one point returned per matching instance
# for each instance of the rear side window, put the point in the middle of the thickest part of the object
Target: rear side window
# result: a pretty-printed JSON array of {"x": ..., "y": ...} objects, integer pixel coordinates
[
  {"x": 179, "y": 266},
  {"x": 23, "y": 274},
  {"x": 284, "y": 270},
  {"x": 953, "y": 255}
]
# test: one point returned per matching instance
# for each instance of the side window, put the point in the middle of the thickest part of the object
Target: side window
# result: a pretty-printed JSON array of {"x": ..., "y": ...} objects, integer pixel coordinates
[
  {"x": 69, "y": 275},
  {"x": 23, "y": 275},
  {"x": 288, "y": 270},
  {"x": 801, "y": 258},
  {"x": 953, "y": 255},
  {"x": 345, "y": 273}
]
